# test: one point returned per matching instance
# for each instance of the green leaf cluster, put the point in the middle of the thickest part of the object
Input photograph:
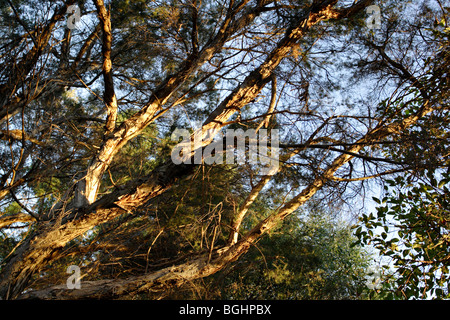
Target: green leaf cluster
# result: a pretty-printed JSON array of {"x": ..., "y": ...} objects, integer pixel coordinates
[
  {"x": 309, "y": 257},
  {"x": 412, "y": 227}
]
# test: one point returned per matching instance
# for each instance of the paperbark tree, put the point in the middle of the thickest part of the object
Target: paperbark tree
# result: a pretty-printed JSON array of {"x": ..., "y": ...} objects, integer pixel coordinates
[{"x": 201, "y": 52}]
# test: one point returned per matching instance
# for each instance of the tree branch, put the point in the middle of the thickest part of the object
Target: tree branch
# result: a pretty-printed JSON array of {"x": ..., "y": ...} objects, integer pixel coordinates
[
  {"x": 31, "y": 213},
  {"x": 331, "y": 148},
  {"x": 7, "y": 220},
  {"x": 109, "y": 92}
]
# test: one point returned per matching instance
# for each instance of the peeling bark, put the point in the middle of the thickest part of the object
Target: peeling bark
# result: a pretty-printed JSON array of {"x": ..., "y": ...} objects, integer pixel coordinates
[
  {"x": 133, "y": 126},
  {"x": 109, "y": 95},
  {"x": 7, "y": 220}
]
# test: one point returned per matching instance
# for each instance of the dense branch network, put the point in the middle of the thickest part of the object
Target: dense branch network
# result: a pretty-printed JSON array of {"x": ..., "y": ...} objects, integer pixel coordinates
[{"x": 94, "y": 144}]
